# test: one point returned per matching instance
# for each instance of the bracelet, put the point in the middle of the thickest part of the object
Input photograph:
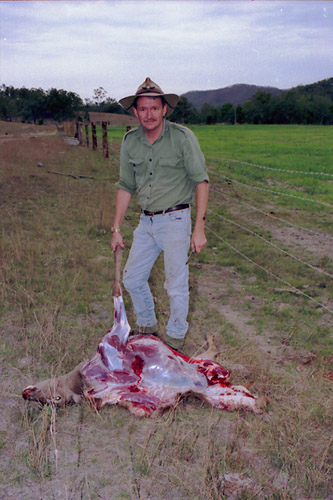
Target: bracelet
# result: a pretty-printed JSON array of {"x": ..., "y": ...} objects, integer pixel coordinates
[{"x": 115, "y": 230}]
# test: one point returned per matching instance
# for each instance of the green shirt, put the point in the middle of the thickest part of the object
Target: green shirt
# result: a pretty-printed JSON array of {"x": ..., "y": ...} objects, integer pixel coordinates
[{"x": 165, "y": 173}]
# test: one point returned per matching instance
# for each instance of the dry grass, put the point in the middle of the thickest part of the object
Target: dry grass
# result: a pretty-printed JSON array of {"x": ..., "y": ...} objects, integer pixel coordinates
[{"x": 56, "y": 272}]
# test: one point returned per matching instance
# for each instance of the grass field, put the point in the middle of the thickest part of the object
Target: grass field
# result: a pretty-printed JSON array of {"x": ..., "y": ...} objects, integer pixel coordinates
[{"x": 263, "y": 286}]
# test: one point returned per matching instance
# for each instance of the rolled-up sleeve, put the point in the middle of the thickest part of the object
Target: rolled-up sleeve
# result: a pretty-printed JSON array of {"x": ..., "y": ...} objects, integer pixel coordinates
[
  {"x": 126, "y": 175},
  {"x": 194, "y": 159}
]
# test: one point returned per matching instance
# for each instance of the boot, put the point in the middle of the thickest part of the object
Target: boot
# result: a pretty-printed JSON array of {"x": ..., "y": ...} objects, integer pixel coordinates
[
  {"x": 145, "y": 330},
  {"x": 176, "y": 344}
]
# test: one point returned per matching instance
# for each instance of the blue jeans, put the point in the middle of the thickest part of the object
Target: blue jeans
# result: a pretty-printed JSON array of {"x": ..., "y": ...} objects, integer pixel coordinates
[{"x": 171, "y": 233}]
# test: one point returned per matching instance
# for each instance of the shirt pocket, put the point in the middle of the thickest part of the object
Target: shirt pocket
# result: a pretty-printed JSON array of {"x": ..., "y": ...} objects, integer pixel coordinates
[
  {"x": 136, "y": 162},
  {"x": 171, "y": 161}
]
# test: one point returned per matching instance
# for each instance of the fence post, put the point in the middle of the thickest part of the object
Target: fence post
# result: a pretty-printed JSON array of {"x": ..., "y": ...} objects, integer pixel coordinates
[
  {"x": 87, "y": 135},
  {"x": 69, "y": 129},
  {"x": 94, "y": 136},
  {"x": 105, "y": 140},
  {"x": 79, "y": 133}
]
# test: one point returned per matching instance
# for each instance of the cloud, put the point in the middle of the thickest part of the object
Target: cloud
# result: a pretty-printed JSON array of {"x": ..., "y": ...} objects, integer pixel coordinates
[{"x": 182, "y": 45}]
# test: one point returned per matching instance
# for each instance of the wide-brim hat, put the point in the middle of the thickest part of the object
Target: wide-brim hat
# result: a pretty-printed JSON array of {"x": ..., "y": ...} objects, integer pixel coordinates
[{"x": 150, "y": 89}]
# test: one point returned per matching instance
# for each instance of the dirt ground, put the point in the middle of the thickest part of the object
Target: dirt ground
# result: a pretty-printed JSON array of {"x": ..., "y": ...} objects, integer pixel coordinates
[{"x": 192, "y": 451}]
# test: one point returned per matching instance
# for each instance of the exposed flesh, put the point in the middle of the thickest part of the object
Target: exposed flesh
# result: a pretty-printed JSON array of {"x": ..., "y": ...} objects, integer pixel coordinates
[{"x": 143, "y": 374}]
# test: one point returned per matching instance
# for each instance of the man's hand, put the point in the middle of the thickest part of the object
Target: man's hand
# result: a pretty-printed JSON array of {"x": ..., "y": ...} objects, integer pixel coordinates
[
  {"x": 117, "y": 240},
  {"x": 198, "y": 240}
]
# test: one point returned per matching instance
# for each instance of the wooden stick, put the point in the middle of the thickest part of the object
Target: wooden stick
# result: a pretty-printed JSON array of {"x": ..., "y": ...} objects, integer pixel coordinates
[
  {"x": 75, "y": 176},
  {"x": 116, "y": 289}
]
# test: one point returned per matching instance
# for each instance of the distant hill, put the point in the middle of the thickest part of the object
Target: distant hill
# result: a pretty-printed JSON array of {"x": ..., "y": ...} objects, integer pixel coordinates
[
  {"x": 235, "y": 94},
  {"x": 323, "y": 88}
]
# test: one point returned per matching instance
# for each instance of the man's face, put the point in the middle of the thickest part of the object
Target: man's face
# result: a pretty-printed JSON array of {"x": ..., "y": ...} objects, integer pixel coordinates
[{"x": 150, "y": 113}]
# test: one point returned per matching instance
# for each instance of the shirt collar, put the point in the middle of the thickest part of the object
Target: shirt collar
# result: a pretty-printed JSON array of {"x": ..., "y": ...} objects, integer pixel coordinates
[{"x": 164, "y": 131}]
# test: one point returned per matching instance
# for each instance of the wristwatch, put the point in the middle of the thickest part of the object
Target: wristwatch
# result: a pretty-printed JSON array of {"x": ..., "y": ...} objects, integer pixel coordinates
[{"x": 115, "y": 230}]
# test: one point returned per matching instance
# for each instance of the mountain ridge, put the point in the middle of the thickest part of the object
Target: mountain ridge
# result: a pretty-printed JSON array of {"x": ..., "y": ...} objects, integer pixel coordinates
[{"x": 235, "y": 94}]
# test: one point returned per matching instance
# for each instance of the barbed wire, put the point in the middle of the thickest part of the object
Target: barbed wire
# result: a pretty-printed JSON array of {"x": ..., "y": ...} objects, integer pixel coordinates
[
  {"x": 272, "y": 244},
  {"x": 274, "y": 217},
  {"x": 296, "y": 290},
  {"x": 269, "y": 190},
  {"x": 270, "y": 168}
]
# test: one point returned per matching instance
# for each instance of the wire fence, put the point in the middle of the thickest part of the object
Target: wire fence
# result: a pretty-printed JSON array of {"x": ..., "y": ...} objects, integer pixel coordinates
[
  {"x": 272, "y": 244},
  {"x": 294, "y": 172},
  {"x": 276, "y": 193},
  {"x": 232, "y": 182},
  {"x": 267, "y": 271},
  {"x": 273, "y": 217}
]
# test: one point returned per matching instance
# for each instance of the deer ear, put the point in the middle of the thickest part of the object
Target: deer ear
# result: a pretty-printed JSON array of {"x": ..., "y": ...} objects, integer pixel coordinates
[
  {"x": 76, "y": 398},
  {"x": 26, "y": 394}
]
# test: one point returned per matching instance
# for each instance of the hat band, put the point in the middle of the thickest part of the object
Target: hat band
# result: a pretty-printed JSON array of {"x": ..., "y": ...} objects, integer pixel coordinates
[{"x": 146, "y": 91}]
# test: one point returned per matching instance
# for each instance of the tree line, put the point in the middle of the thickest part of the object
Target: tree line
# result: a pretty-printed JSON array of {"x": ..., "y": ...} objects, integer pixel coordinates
[
  {"x": 309, "y": 104},
  {"x": 37, "y": 105}
]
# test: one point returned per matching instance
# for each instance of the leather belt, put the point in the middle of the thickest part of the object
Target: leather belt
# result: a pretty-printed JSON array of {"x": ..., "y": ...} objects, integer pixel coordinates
[{"x": 172, "y": 209}]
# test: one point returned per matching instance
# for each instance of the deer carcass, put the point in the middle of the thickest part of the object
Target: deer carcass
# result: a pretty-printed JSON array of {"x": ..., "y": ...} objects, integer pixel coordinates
[{"x": 142, "y": 374}]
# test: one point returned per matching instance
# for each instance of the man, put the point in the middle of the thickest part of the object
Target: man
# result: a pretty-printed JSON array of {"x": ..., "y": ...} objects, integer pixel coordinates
[{"x": 163, "y": 163}]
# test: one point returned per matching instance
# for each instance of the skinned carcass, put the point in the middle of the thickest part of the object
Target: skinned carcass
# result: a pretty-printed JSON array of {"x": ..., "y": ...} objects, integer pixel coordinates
[{"x": 143, "y": 374}]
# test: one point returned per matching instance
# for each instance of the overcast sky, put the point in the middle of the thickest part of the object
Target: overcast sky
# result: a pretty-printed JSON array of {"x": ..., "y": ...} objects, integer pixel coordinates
[{"x": 181, "y": 45}]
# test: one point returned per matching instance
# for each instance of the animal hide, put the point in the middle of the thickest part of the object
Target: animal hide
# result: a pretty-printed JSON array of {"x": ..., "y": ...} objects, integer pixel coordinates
[{"x": 142, "y": 374}]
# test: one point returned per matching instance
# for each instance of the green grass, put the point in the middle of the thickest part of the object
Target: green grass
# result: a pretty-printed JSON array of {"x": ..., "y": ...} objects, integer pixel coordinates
[
  {"x": 291, "y": 147},
  {"x": 295, "y": 148}
]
